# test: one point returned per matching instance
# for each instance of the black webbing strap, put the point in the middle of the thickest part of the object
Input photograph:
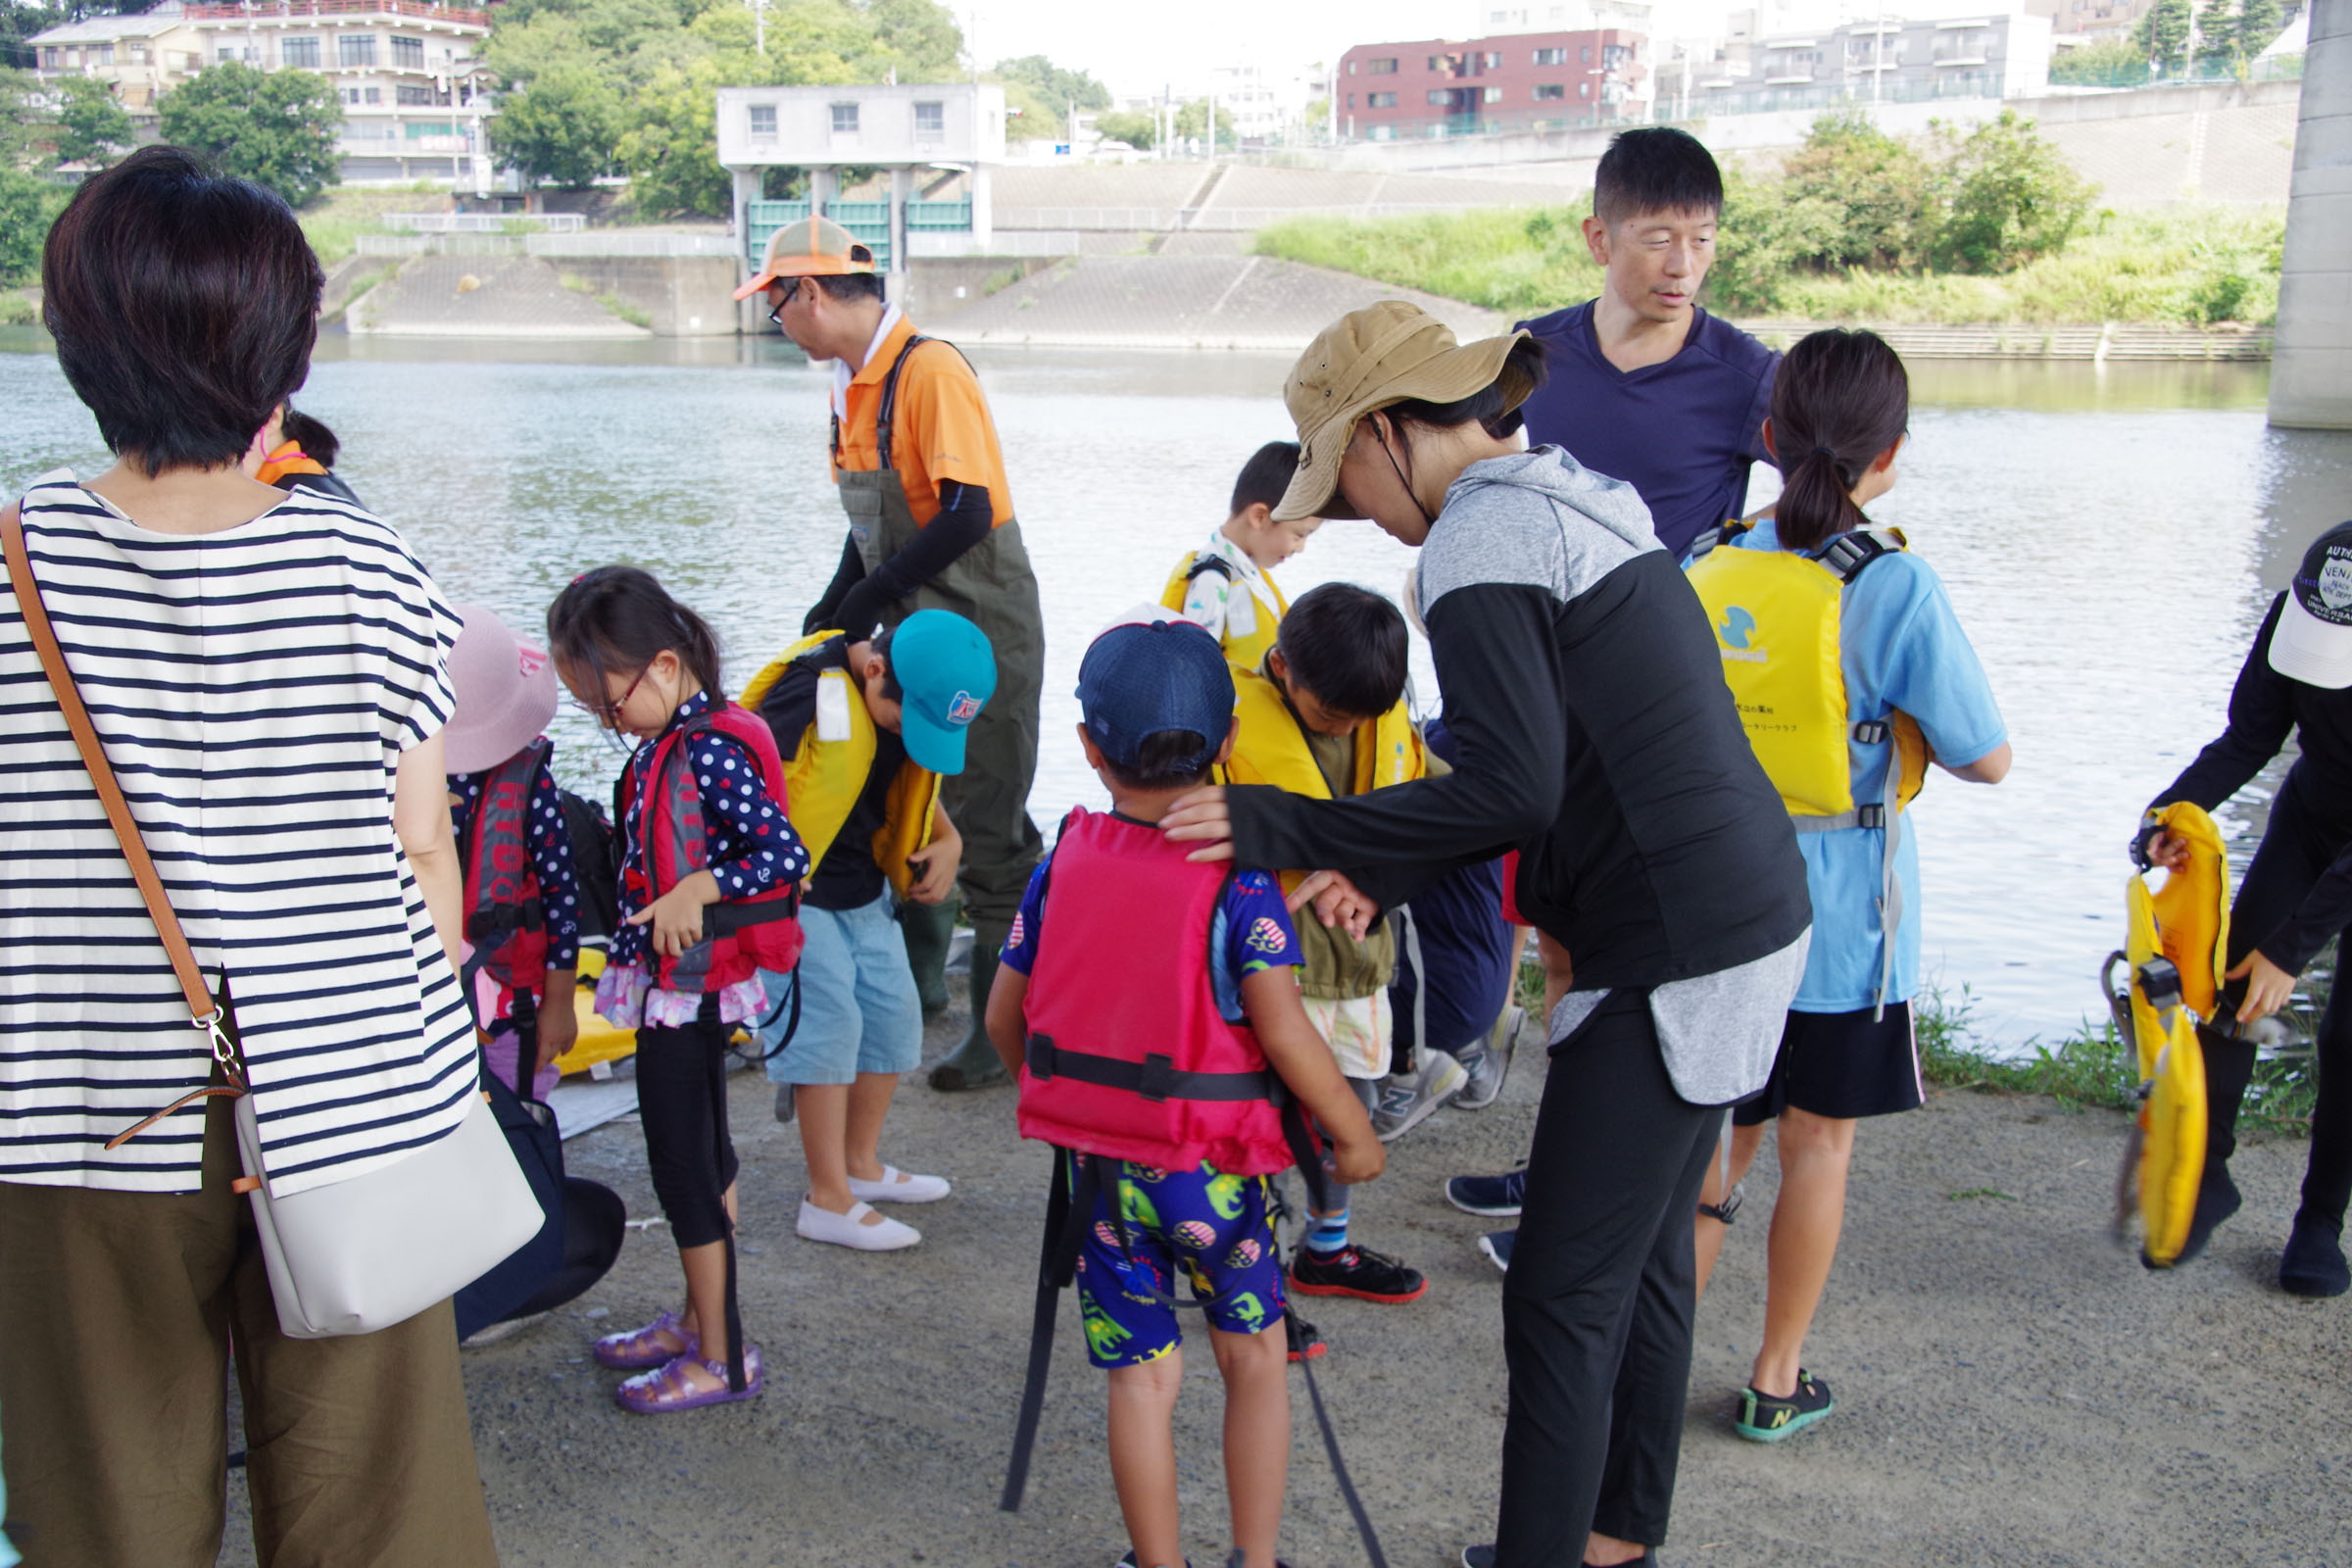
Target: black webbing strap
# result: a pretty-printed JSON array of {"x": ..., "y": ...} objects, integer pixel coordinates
[
  {"x": 525, "y": 1016},
  {"x": 1204, "y": 562},
  {"x": 1154, "y": 1078},
  {"x": 1069, "y": 1208},
  {"x": 728, "y": 916},
  {"x": 1338, "y": 1466}
]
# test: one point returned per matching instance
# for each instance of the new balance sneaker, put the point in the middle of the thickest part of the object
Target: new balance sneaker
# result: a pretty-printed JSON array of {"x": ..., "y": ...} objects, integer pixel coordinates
[
  {"x": 1356, "y": 1271},
  {"x": 1490, "y": 1061},
  {"x": 1488, "y": 1197},
  {"x": 1306, "y": 1341},
  {"x": 1762, "y": 1418},
  {"x": 1496, "y": 1246},
  {"x": 1407, "y": 1099}
]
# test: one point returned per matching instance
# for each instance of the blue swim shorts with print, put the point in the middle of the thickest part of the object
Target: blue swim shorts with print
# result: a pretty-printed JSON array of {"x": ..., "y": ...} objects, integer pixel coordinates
[{"x": 1216, "y": 1231}]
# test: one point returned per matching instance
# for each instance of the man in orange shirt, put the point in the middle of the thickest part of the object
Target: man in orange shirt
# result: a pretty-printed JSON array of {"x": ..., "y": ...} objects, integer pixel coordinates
[{"x": 931, "y": 527}]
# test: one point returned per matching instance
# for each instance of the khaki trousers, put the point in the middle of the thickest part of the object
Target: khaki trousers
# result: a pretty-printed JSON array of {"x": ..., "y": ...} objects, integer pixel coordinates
[{"x": 117, "y": 1313}]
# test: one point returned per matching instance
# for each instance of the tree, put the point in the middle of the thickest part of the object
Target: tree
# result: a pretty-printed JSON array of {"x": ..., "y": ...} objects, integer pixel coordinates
[
  {"x": 274, "y": 128},
  {"x": 2008, "y": 199},
  {"x": 563, "y": 129},
  {"x": 921, "y": 37},
  {"x": 2163, "y": 34},
  {"x": 1192, "y": 120},
  {"x": 27, "y": 206},
  {"x": 1136, "y": 130},
  {"x": 2110, "y": 63},
  {"x": 91, "y": 127},
  {"x": 1052, "y": 85},
  {"x": 1873, "y": 189}
]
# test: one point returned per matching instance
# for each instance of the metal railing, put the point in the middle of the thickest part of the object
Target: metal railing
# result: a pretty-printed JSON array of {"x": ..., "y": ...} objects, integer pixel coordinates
[
  {"x": 484, "y": 222},
  {"x": 594, "y": 243},
  {"x": 336, "y": 7},
  {"x": 1213, "y": 220}
]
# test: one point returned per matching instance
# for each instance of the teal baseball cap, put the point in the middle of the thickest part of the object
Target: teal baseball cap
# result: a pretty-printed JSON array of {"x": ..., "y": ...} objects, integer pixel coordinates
[{"x": 946, "y": 672}]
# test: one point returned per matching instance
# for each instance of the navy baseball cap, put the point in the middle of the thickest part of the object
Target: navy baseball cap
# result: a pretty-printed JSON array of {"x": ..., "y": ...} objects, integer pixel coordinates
[
  {"x": 1144, "y": 677},
  {"x": 2313, "y": 641}
]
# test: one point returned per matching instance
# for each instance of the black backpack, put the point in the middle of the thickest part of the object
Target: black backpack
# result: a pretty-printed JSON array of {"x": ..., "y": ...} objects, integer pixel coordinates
[{"x": 595, "y": 863}]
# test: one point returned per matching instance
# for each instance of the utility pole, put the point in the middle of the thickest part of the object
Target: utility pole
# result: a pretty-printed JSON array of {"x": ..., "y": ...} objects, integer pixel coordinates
[{"x": 760, "y": 26}]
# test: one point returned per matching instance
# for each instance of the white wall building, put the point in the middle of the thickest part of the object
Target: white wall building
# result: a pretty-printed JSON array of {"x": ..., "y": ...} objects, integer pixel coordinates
[{"x": 139, "y": 57}]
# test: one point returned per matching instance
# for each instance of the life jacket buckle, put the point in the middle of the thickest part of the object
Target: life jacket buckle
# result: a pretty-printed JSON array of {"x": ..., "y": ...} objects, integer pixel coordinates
[
  {"x": 1871, "y": 815},
  {"x": 1873, "y": 731},
  {"x": 1158, "y": 1079},
  {"x": 1038, "y": 1053}
]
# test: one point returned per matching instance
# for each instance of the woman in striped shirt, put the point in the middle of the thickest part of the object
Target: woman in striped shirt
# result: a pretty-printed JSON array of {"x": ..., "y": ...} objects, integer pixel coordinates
[{"x": 267, "y": 671}]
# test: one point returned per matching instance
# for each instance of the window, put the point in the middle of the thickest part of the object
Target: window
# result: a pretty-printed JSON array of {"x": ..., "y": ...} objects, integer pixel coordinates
[
  {"x": 1437, "y": 62},
  {"x": 418, "y": 130},
  {"x": 413, "y": 95},
  {"x": 354, "y": 49},
  {"x": 371, "y": 95},
  {"x": 1547, "y": 91},
  {"x": 1585, "y": 55},
  {"x": 1584, "y": 89},
  {"x": 298, "y": 54},
  {"x": 1552, "y": 57},
  {"x": 1493, "y": 95},
  {"x": 1380, "y": 100},
  {"x": 1382, "y": 68},
  {"x": 1441, "y": 97},
  {"x": 1382, "y": 132},
  {"x": 138, "y": 54},
  {"x": 408, "y": 53},
  {"x": 844, "y": 120},
  {"x": 1494, "y": 62},
  {"x": 764, "y": 120},
  {"x": 930, "y": 121},
  {"x": 1351, "y": 68}
]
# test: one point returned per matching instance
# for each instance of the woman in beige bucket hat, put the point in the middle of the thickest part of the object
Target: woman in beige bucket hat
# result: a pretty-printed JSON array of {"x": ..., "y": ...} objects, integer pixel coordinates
[{"x": 1583, "y": 684}]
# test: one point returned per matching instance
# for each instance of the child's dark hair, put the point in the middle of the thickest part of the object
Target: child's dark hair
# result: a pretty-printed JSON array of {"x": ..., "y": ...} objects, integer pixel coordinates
[
  {"x": 1524, "y": 366},
  {"x": 1347, "y": 646},
  {"x": 892, "y": 691},
  {"x": 1655, "y": 169},
  {"x": 1168, "y": 760},
  {"x": 615, "y": 620},
  {"x": 1840, "y": 399},
  {"x": 1265, "y": 476},
  {"x": 316, "y": 441}
]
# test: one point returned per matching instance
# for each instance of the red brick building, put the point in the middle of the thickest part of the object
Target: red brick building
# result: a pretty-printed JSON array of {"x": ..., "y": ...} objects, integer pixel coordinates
[{"x": 1521, "y": 81}]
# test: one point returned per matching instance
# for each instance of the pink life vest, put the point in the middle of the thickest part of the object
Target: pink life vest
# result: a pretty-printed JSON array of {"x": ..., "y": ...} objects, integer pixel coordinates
[
  {"x": 739, "y": 935},
  {"x": 505, "y": 919},
  {"x": 1133, "y": 1061}
]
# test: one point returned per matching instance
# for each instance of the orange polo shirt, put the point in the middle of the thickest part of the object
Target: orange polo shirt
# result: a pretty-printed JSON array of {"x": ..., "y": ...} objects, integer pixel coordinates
[{"x": 942, "y": 430}]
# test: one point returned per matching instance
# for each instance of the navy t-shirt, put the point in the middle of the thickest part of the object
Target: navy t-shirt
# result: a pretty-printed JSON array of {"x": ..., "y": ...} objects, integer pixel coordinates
[{"x": 1683, "y": 433}]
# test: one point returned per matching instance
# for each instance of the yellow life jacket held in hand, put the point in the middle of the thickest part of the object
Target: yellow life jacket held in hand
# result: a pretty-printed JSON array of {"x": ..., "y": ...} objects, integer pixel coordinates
[
  {"x": 1245, "y": 648},
  {"x": 828, "y": 770},
  {"x": 1271, "y": 748},
  {"x": 2175, "y": 946},
  {"x": 1779, "y": 618}
]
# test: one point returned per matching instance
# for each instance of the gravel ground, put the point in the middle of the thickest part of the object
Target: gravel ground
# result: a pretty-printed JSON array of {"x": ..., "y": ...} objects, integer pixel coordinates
[{"x": 2012, "y": 1387}]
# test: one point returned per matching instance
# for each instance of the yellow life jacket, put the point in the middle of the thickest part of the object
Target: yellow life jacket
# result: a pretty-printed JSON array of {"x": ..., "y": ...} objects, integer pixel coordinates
[
  {"x": 1247, "y": 650},
  {"x": 2175, "y": 946},
  {"x": 828, "y": 770},
  {"x": 1779, "y": 618}
]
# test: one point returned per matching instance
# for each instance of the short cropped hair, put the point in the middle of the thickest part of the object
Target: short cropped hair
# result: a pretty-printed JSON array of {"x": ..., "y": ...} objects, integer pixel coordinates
[
  {"x": 1164, "y": 759},
  {"x": 184, "y": 305},
  {"x": 1347, "y": 646},
  {"x": 850, "y": 288},
  {"x": 1265, "y": 476},
  {"x": 316, "y": 441},
  {"x": 1655, "y": 169}
]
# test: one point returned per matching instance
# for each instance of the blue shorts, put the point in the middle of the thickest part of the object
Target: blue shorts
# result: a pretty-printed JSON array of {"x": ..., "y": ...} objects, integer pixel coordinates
[
  {"x": 858, "y": 1008},
  {"x": 1216, "y": 1231}
]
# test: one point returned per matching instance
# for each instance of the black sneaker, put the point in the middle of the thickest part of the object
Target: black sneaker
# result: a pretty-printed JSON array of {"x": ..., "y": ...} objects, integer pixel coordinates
[
  {"x": 1127, "y": 1560},
  {"x": 1305, "y": 1339},
  {"x": 1356, "y": 1271},
  {"x": 2312, "y": 1263},
  {"x": 2216, "y": 1199},
  {"x": 1496, "y": 1248},
  {"x": 1765, "y": 1419},
  {"x": 1488, "y": 1197}
]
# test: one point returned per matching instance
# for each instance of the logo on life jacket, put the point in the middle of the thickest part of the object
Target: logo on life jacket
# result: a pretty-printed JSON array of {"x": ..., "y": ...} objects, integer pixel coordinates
[
  {"x": 1738, "y": 623},
  {"x": 963, "y": 707}
]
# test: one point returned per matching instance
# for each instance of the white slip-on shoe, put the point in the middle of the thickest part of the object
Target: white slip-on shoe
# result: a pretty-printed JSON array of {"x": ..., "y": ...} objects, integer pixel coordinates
[
  {"x": 897, "y": 1186},
  {"x": 851, "y": 1230}
]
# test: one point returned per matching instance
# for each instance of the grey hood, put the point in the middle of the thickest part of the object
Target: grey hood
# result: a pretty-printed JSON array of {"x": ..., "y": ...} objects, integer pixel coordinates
[{"x": 1538, "y": 517}]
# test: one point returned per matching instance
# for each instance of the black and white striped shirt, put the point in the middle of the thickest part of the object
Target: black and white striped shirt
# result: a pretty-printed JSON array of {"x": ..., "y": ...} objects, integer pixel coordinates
[{"x": 254, "y": 689}]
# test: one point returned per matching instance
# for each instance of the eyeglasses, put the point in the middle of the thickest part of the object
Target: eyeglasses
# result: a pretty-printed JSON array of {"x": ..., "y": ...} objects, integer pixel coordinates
[
  {"x": 608, "y": 714},
  {"x": 792, "y": 292}
]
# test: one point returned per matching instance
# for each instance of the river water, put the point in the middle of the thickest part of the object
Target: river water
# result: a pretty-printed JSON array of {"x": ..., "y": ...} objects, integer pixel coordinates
[{"x": 2110, "y": 538}]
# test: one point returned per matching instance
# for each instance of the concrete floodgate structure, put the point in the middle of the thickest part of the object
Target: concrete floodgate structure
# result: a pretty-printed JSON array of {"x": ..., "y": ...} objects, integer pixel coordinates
[
  {"x": 2013, "y": 1388},
  {"x": 2311, "y": 379}
]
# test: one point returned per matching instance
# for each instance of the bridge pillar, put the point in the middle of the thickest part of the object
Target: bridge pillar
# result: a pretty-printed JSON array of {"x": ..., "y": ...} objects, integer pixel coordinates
[{"x": 2310, "y": 370}]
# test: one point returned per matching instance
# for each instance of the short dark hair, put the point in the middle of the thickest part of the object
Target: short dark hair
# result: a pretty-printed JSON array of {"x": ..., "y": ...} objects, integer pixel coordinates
[
  {"x": 850, "y": 288},
  {"x": 1265, "y": 476},
  {"x": 1526, "y": 363},
  {"x": 614, "y": 620},
  {"x": 1839, "y": 400},
  {"x": 1655, "y": 169},
  {"x": 184, "y": 305},
  {"x": 1347, "y": 646},
  {"x": 1166, "y": 759},
  {"x": 892, "y": 691},
  {"x": 317, "y": 442}
]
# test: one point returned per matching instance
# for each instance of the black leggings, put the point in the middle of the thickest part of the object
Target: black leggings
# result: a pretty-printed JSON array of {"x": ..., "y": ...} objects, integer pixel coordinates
[
  {"x": 2295, "y": 851},
  {"x": 682, "y": 1103},
  {"x": 1598, "y": 1304}
]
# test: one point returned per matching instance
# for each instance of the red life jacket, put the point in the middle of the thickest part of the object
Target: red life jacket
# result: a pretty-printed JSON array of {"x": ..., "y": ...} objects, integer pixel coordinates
[
  {"x": 1136, "y": 1062},
  {"x": 505, "y": 917},
  {"x": 739, "y": 935}
]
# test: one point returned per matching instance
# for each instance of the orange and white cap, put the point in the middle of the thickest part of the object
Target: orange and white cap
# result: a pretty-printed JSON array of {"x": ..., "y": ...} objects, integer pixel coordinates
[{"x": 810, "y": 247}]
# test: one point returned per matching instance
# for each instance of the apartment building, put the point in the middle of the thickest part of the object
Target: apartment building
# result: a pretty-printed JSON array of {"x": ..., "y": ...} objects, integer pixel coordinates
[
  {"x": 1501, "y": 82},
  {"x": 139, "y": 57},
  {"x": 414, "y": 90},
  {"x": 2095, "y": 21},
  {"x": 1891, "y": 59}
]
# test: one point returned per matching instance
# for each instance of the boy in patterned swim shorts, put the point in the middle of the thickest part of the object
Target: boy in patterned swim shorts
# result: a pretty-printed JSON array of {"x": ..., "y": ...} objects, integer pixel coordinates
[{"x": 1148, "y": 1005}]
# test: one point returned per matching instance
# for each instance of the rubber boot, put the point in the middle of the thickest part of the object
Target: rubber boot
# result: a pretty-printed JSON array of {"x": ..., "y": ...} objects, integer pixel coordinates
[
  {"x": 976, "y": 1064},
  {"x": 2229, "y": 1068},
  {"x": 930, "y": 929},
  {"x": 2312, "y": 1263}
]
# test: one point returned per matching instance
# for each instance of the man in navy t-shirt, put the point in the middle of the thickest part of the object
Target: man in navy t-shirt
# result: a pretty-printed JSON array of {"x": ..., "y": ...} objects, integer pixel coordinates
[{"x": 1643, "y": 385}]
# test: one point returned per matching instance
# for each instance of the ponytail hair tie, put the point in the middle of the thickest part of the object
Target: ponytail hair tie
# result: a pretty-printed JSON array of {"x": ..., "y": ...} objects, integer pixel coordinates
[{"x": 1829, "y": 453}]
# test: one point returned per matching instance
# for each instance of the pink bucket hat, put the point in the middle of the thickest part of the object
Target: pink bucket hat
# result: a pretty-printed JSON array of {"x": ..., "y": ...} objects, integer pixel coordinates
[{"x": 506, "y": 693}]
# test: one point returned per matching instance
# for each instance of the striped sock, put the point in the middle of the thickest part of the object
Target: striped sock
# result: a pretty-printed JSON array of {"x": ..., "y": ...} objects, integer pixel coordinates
[{"x": 1328, "y": 1234}]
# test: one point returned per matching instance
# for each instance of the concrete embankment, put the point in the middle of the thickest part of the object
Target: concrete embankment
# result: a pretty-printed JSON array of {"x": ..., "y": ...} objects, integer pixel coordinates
[
  {"x": 2013, "y": 1389},
  {"x": 482, "y": 296}
]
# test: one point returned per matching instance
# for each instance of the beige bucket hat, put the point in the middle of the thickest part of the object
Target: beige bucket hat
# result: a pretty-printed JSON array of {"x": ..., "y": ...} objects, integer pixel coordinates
[{"x": 1387, "y": 353}]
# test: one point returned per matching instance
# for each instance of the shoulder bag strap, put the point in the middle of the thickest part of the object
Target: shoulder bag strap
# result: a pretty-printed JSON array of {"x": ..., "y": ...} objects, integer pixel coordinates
[{"x": 203, "y": 1012}]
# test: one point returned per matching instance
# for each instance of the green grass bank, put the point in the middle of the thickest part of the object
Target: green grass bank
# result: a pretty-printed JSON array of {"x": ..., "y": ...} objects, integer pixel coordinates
[{"x": 2182, "y": 267}]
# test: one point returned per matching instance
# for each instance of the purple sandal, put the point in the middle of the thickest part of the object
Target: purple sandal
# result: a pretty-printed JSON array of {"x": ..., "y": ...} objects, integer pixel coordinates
[
  {"x": 640, "y": 1349},
  {"x": 666, "y": 1389}
]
